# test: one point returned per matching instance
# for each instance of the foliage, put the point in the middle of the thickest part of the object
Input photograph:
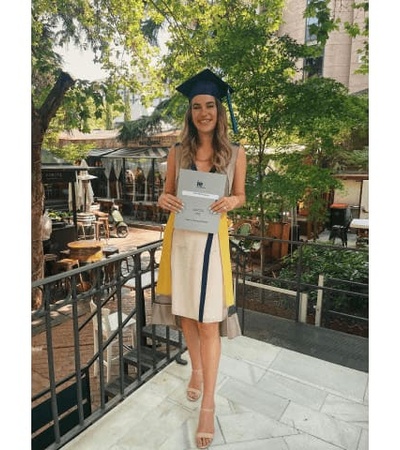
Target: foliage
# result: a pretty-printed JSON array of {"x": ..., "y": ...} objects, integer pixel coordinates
[
  {"x": 261, "y": 71},
  {"x": 121, "y": 37},
  {"x": 323, "y": 115},
  {"x": 59, "y": 215},
  {"x": 113, "y": 31},
  {"x": 271, "y": 109},
  {"x": 345, "y": 265},
  {"x": 73, "y": 152},
  {"x": 361, "y": 29},
  {"x": 355, "y": 160},
  {"x": 300, "y": 179},
  {"x": 324, "y": 24},
  {"x": 145, "y": 125},
  {"x": 327, "y": 260}
]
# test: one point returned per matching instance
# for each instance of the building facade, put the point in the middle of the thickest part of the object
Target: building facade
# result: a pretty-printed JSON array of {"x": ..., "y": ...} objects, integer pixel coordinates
[{"x": 341, "y": 57}]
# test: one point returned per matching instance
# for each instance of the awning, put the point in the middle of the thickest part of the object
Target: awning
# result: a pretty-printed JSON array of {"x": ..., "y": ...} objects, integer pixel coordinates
[
  {"x": 100, "y": 152},
  {"x": 139, "y": 153},
  {"x": 50, "y": 158}
]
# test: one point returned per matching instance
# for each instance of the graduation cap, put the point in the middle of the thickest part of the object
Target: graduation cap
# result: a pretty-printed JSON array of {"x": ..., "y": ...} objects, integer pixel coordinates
[{"x": 206, "y": 82}]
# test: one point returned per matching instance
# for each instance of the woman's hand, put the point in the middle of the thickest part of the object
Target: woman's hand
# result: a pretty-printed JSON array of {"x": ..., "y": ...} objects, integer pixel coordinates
[
  {"x": 224, "y": 204},
  {"x": 170, "y": 202}
]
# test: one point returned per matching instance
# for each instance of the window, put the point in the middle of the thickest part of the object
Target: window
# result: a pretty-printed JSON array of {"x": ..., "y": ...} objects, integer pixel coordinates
[
  {"x": 313, "y": 67},
  {"x": 310, "y": 37}
]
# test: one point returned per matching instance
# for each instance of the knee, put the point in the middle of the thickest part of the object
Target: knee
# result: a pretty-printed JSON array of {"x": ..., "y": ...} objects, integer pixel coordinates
[{"x": 209, "y": 331}]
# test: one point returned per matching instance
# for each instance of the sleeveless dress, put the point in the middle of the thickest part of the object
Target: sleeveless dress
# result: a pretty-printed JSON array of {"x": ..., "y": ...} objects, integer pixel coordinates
[{"x": 193, "y": 281}]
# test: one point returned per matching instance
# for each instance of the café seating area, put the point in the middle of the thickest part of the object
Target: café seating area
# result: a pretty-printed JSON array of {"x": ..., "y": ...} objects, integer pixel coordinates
[{"x": 93, "y": 225}]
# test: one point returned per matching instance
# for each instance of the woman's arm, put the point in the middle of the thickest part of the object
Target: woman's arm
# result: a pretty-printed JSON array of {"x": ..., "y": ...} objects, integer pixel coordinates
[
  {"x": 167, "y": 199},
  {"x": 238, "y": 195}
]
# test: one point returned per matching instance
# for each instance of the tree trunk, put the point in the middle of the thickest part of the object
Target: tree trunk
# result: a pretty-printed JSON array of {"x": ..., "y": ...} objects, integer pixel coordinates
[{"x": 40, "y": 122}]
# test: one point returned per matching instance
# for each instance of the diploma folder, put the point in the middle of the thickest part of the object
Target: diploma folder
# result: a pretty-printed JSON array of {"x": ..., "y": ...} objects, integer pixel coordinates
[{"x": 198, "y": 190}]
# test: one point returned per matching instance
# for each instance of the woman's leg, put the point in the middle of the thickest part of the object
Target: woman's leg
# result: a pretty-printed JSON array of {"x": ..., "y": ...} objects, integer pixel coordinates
[
  {"x": 192, "y": 338},
  {"x": 204, "y": 346},
  {"x": 210, "y": 349}
]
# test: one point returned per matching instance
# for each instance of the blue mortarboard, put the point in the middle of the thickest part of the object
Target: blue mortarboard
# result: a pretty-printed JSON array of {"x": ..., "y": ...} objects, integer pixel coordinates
[{"x": 206, "y": 82}]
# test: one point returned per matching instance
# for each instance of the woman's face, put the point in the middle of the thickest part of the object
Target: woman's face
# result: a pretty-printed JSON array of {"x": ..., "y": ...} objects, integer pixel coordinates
[{"x": 204, "y": 113}]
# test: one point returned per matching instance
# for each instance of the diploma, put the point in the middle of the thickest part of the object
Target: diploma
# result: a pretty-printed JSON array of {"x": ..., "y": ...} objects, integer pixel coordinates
[{"x": 198, "y": 190}]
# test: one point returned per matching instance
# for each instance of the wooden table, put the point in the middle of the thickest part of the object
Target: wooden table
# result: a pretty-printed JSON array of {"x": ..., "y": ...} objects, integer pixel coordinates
[
  {"x": 362, "y": 229},
  {"x": 86, "y": 251},
  {"x": 360, "y": 224}
]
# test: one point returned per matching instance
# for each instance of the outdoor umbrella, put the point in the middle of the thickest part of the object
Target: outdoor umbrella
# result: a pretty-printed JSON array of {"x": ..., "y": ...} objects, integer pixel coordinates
[
  {"x": 85, "y": 191},
  {"x": 73, "y": 185}
]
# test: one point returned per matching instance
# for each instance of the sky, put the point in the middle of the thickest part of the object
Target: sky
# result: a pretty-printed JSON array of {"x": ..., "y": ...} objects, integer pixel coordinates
[{"x": 80, "y": 64}]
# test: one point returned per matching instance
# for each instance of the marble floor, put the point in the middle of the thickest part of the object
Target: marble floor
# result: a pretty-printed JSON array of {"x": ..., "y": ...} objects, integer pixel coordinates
[{"x": 268, "y": 398}]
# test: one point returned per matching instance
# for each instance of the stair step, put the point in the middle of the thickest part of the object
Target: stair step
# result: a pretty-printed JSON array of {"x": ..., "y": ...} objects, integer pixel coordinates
[
  {"x": 112, "y": 388},
  {"x": 161, "y": 334},
  {"x": 147, "y": 357}
]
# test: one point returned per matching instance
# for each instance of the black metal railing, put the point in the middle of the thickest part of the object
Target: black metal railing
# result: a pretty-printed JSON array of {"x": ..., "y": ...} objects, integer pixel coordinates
[
  {"x": 335, "y": 299},
  {"x": 82, "y": 299}
]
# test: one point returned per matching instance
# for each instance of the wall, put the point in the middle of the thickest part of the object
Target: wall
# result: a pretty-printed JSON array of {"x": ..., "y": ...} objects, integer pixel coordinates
[
  {"x": 350, "y": 194},
  {"x": 355, "y": 193}
]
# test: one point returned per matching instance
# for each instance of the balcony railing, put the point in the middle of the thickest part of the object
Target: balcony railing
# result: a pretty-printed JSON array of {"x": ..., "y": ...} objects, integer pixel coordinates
[
  {"x": 120, "y": 288},
  {"x": 74, "y": 340}
]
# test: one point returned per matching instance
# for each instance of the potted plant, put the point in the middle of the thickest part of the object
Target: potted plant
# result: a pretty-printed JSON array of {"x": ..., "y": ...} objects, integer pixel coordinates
[{"x": 59, "y": 219}]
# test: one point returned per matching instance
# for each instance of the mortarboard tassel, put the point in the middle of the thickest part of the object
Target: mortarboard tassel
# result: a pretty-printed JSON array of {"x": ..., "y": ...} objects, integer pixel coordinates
[{"x": 233, "y": 120}]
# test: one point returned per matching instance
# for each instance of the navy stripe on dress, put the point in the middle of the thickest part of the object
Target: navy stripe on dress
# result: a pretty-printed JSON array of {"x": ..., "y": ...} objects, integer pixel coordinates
[
  {"x": 206, "y": 263},
  {"x": 204, "y": 277}
]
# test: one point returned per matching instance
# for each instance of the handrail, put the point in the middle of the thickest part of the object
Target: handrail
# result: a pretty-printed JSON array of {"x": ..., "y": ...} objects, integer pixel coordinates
[
  {"x": 296, "y": 286},
  {"x": 107, "y": 278}
]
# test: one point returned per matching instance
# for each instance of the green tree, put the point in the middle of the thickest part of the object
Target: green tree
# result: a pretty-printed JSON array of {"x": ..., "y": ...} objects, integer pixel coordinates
[
  {"x": 117, "y": 34},
  {"x": 239, "y": 41}
]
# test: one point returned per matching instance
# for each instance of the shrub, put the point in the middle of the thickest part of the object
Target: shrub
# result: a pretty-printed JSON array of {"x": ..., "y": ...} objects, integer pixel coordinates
[{"x": 344, "y": 265}]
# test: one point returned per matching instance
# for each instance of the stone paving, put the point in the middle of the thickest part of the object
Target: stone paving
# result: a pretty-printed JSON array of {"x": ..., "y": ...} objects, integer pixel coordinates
[{"x": 268, "y": 398}]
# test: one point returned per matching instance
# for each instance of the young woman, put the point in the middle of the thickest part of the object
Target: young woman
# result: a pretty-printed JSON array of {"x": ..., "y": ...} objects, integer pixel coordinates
[{"x": 194, "y": 289}]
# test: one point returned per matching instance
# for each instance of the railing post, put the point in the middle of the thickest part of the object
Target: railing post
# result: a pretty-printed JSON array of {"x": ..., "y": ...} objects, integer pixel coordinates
[
  {"x": 298, "y": 281},
  {"x": 318, "y": 308},
  {"x": 303, "y": 307}
]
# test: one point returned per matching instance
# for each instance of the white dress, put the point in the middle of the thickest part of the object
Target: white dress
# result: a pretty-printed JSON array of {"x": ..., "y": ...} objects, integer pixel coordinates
[{"x": 196, "y": 273}]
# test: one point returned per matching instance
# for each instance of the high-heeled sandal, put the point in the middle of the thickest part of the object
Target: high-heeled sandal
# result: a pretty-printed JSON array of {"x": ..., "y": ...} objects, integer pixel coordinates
[
  {"x": 194, "y": 394},
  {"x": 204, "y": 434}
]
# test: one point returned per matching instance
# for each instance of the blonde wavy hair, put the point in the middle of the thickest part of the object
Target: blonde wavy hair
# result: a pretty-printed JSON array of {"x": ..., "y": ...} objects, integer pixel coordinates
[{"x": 221, "y": 144}]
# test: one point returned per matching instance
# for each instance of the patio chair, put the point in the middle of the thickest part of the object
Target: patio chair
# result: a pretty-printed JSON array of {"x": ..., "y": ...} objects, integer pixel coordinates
[{"x": 109, "y": 326}]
